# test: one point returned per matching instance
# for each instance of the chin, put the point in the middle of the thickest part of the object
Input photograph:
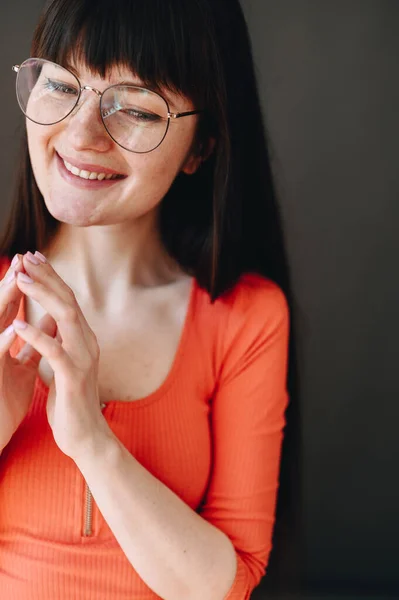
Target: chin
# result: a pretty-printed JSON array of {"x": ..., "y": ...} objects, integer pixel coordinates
[{"x": 72, "y": 211}]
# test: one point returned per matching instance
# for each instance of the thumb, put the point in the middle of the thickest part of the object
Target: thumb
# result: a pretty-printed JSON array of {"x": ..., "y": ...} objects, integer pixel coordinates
[{"x": 28, "y": 354}]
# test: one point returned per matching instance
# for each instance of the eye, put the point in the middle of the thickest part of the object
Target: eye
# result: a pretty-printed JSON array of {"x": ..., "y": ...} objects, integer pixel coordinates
[
  {"x": 143, "y": 117},
  {"x": 58, "y": 86}
]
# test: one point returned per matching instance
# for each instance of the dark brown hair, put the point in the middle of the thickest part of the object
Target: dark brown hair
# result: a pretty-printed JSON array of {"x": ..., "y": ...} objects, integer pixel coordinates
[{"x": 222, "y": 221}]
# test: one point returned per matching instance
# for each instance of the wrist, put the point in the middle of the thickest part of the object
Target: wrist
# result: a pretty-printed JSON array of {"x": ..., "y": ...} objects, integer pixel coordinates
[{"x": 96, "y": 447}]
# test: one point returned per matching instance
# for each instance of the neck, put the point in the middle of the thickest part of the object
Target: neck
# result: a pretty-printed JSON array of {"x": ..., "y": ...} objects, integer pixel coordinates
[{"x": 105, "y": 265}]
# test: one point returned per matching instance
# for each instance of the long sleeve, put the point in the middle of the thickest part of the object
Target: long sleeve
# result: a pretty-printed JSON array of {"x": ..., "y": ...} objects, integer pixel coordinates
[
  {"x": 211, "y": 432},
  {"x": 248, "y": 418}
]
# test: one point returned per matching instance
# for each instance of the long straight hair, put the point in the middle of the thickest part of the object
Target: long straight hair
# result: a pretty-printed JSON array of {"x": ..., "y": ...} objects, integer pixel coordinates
[{"x": 224, "y": 220}]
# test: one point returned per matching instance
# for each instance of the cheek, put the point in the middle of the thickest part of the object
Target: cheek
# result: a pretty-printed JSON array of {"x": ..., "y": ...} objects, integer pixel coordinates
[
  {"x": 163, "y": 164},
  {"x": 155, "y": 173},
  {"x": 151, "y": 177}
]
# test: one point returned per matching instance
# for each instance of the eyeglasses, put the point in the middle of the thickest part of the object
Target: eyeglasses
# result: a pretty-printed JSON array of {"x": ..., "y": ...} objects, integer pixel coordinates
[{"x": 136, "y": 118}]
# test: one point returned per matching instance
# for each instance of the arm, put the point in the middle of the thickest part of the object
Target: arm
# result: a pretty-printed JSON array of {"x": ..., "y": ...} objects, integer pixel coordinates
[
  {"x": 174, "y": 550},
  {"x": 222, "y": 552},
  {"x": 248, "y": 420}
]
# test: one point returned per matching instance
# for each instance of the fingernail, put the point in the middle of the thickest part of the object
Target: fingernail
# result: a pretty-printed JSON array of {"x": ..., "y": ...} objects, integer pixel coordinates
[
  {"x": 32, "y": 259},
  {"x": 9, "y": 331},
  {"x": 40, "y": 256},
  {"x": 15, "y": 260},
  {"x": 19, "y": 324},
  {"x": 25, "y": 278}
]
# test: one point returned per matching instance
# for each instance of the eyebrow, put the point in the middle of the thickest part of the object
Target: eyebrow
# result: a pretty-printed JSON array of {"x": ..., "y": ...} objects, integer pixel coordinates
[{"x": 124, "y": 82}]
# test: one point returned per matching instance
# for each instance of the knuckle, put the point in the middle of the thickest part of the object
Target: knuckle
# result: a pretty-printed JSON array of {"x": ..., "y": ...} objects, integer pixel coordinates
[
  {"x": 44, "y": 276},
  {"x": 36, "y": 337},
  {"x": 96, "y": 349},
  {"x": 70, "y": 293},
  {"x": 69, "y": 314},
  {"x": 55, "y": 350}
]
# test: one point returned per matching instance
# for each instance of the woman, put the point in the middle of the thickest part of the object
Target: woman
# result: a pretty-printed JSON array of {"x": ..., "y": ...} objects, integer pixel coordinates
[{"x": 144, "y": 340}]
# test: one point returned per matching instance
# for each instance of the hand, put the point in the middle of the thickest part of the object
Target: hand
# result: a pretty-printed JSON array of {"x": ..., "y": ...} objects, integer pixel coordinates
[
  {"x": 17, "y": 375},
  {"x": 73, "y": 406}
]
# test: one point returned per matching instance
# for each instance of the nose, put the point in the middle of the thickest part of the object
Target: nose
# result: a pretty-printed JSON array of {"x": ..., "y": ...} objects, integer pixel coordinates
[{"x": 84, "y": 125}]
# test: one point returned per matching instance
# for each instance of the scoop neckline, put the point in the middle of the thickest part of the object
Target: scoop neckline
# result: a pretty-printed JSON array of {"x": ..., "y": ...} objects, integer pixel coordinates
[{"x": 170, "y": 377}]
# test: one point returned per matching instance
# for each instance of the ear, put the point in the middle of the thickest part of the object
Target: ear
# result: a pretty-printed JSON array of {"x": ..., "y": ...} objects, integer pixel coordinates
[
  {"x": 195, "y": 159},
  {"x": 192, "y": 164}
]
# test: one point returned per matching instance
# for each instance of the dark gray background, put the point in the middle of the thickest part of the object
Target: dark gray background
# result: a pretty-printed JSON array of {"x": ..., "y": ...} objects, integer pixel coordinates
[{"x": 328, "y": 74}]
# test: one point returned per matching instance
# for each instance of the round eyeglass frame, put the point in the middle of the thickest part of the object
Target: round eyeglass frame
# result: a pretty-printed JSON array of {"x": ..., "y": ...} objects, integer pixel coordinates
[{"x": 170, "y": 115}]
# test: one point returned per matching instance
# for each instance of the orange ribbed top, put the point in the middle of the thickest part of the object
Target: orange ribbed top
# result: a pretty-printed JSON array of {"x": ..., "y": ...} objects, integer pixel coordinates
[{"x": 211, "y": 432}]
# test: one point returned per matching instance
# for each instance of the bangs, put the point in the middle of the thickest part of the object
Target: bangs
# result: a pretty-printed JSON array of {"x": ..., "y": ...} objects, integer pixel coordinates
[{"x": 166, "y": 43}]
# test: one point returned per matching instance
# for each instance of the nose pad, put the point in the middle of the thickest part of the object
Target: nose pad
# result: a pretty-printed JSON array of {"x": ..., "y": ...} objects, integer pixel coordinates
[{"x": 82, "y": 99}]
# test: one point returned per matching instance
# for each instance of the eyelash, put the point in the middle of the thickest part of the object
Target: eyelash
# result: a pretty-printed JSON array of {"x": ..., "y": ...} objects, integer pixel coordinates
[{"x": 55, "y": 86}]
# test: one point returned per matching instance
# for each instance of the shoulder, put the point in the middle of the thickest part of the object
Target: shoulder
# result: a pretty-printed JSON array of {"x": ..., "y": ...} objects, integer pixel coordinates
[
  {"x": 256, "y": 299},
  {"x": 253, "y": 313},
  {"x": 253, "y": 339},
  {"x": 253, "y": 316}
]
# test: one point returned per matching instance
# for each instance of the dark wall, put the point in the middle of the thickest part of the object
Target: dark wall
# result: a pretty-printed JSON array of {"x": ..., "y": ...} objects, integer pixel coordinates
[
  {"x": 17, "y": 20},
  {"x": 328, "y": 73},
  {"x": 329, "y": 80}
]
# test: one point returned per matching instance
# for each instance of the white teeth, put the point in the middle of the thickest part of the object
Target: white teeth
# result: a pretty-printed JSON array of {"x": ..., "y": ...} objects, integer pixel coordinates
[{"x": 87, "y": 174}]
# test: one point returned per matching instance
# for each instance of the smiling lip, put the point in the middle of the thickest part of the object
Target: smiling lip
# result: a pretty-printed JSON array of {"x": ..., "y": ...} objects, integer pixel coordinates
[
  {"x": 79, "y": 182},
  {"x": 89, "y": 167}
]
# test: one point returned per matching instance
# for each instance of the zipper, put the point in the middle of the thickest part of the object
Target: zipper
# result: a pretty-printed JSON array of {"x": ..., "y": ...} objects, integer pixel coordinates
[
  {"x": 88, "y": 528},
  {"x": 89, "y": 513}
]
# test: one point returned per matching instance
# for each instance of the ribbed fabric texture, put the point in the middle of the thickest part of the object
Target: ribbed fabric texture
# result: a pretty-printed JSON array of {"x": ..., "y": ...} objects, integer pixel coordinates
[{"x": 211, "y": 432}]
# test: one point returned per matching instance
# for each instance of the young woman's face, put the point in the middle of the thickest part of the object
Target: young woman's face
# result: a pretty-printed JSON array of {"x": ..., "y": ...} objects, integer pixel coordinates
[{"x": 82, "y": 140}]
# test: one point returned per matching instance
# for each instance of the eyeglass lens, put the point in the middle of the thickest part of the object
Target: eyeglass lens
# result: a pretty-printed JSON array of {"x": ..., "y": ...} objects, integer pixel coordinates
[{"x": 136, "y": 118}]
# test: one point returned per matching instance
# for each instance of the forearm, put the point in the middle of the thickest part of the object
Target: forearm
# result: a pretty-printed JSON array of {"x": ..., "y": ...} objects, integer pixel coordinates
[{"x": 177, "y": 553}]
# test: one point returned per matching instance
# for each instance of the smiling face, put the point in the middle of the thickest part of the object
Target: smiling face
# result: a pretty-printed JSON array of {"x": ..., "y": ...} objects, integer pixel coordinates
[{"x": 82, "y": 140}]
